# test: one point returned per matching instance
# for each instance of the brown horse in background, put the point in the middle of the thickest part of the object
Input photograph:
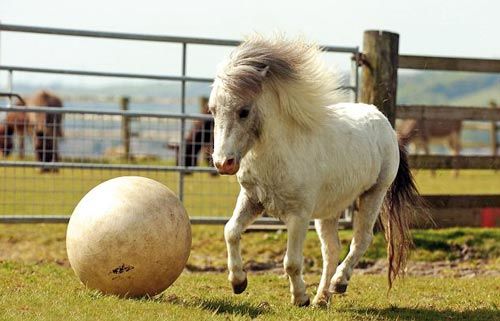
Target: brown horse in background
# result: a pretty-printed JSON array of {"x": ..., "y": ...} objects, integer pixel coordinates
[
  {"x": 15, "y": 123},
  {"x": 45, "y": 128},
  {"x": 421, "y": 131}
]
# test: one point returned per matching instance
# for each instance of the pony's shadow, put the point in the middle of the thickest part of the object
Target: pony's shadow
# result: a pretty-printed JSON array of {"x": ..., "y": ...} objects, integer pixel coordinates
[
  {"x": 213, "y": 305},
  {"x": 395, "y": 313},
  {"x": 219, "y": 306},
  {"x": 223, "y": 306}
]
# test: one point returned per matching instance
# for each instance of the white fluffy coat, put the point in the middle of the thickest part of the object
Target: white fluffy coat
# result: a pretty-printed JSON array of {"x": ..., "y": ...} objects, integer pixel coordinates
[{"x": 299, "y": 153}]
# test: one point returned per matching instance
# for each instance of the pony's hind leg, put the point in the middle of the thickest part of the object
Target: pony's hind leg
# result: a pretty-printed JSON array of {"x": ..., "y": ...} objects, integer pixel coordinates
[
  {"x": 245, "y": 212},
  {"x": 363, "y": 222},
  {"x": 327, "y": 230}
]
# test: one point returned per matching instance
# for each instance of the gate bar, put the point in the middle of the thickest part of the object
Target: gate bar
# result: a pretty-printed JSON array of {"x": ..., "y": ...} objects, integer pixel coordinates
[{"x": 143, "y": 37}]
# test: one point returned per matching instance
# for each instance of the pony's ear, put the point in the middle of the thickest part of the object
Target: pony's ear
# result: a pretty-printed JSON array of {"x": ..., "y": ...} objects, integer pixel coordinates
[{"x": 264, "y": 71}]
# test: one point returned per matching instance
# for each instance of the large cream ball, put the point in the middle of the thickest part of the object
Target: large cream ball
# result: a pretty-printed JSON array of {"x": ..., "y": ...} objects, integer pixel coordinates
[{"x": 129, "y": 236}]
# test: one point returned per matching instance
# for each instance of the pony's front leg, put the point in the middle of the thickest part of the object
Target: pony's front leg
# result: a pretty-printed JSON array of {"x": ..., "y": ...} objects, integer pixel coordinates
[
  {"x": 245, "y": 212},
  {"x": 297, "y": 229},
  {"x": 330, "y": 249}
]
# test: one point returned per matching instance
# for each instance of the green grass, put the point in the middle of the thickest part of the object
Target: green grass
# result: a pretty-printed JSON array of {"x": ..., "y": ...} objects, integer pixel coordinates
[
  {"x": 51, "y": 292},
  {"x": 450, "y": 244},
  {"x": 471, "y": 182},
  {"x": 37, "y": 283},
  {"x": 46, "y": 243},
  {"x": 26, "y": 191}
]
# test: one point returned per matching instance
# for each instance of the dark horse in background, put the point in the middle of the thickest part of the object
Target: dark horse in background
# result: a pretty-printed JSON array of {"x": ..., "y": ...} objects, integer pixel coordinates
[
  {"x": 199, "y": 139},
  {"x": 44, "y": 128}
]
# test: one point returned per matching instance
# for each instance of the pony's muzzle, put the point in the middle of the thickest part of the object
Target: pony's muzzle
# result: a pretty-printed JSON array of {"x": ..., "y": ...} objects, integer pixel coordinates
[{"x": 228, "y": 166}]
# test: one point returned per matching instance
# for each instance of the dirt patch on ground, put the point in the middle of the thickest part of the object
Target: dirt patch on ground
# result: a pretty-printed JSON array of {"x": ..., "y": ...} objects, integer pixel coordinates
[{"x": 458, "y": 269}]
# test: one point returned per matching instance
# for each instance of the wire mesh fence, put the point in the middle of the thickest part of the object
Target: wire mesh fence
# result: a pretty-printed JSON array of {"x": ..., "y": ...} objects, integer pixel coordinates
[
  {"x": 53, "y": 156},
  {"x": 52, "y": 159}
]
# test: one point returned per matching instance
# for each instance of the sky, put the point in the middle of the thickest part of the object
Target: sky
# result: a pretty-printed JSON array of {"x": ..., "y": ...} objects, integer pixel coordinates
[{"x": 426, "y": 27}]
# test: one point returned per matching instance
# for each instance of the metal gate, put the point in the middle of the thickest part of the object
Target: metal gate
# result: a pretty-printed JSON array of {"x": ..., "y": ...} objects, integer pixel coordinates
[{"x": 100, "y": 144}]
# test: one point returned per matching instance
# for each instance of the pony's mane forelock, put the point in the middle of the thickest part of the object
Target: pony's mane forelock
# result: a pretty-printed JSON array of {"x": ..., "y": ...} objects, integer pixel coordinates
[{"x": 294, "y": 69}]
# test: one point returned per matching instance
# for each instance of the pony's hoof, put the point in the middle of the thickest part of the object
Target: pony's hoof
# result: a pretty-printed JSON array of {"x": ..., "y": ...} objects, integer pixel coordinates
[
  {"x": 305, "y": 304},
  {"x": 239, "y": 288},
  {"x": 321, "y": 302},
  {"x": 301, "y": 302},
  {"x": 339, "y": 288}
]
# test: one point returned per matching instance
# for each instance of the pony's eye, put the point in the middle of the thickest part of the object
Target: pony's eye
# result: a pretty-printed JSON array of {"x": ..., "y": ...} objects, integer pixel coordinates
[{"x": 244, "y": 113}]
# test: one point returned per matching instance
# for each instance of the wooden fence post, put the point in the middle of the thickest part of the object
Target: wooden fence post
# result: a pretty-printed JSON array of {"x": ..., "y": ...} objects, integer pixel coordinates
[
  {"x": 124, "y": 103},
  {"x": 379, "y": 78}
]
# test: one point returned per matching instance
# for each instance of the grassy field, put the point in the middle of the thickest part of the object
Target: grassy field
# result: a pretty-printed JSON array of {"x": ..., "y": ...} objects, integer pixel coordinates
[
  {"x": 37, "y": 283},
  {"x": 473, "y": 182},
  {"x": 26, "y": 191},
  {"x": 453, "y": 274},
  {"x": 45, "y": 243},
  {"x": 49, "y": 292}
]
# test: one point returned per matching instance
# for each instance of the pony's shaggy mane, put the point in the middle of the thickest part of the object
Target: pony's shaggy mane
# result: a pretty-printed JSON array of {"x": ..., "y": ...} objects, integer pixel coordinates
[{"x": 293, "y": 69}]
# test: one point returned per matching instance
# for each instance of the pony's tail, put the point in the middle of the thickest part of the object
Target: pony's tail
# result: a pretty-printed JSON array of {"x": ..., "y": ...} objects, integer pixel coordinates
[{"x": 401, "y": 203}]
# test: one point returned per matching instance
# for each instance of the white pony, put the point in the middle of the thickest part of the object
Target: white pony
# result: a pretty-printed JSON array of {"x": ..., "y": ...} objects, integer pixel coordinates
[{"x": 300, "y": 154}]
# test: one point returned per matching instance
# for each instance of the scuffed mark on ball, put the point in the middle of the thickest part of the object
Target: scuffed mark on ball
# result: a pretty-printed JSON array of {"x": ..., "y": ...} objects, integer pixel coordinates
[{"x": 122, "y": 269}]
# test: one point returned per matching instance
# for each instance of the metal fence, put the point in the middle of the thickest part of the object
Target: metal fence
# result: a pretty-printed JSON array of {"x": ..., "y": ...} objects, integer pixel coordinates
[{"x": 55, "y": 171}]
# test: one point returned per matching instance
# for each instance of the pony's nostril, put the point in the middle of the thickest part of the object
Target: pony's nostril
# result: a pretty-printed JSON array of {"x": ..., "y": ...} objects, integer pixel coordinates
[{"x": 228, "y": 166}]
